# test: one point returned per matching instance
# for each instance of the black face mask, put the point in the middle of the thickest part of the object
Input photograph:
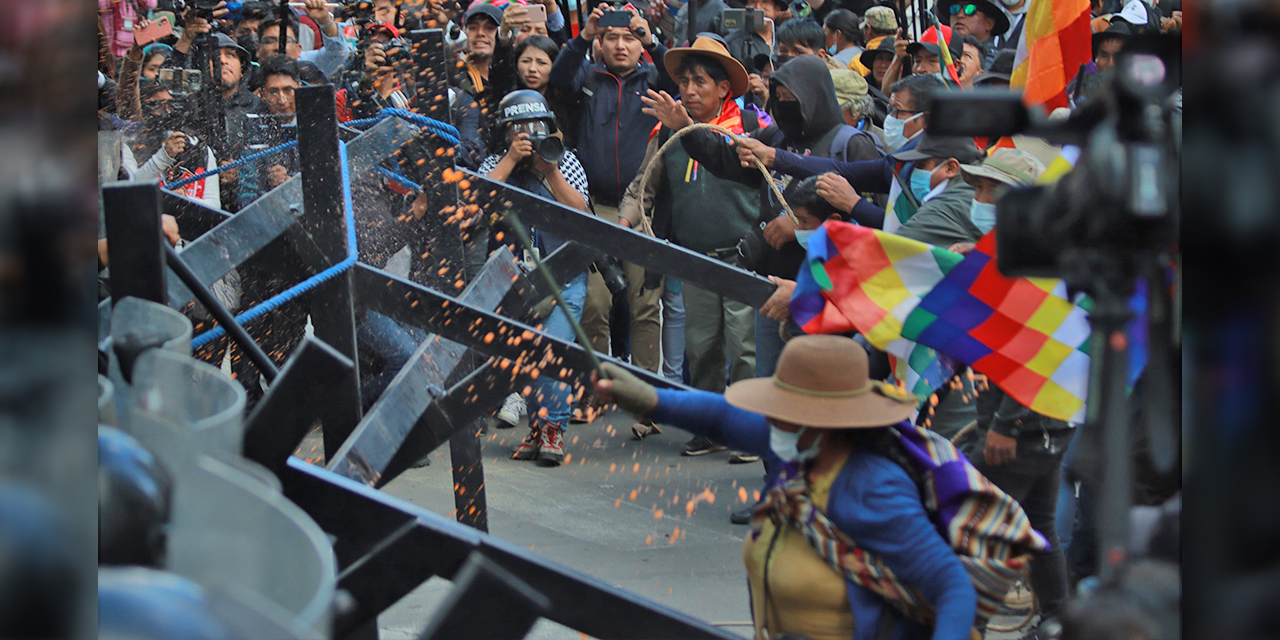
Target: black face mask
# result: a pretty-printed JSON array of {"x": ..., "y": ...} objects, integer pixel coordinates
[{"x": 789, "y": 117}]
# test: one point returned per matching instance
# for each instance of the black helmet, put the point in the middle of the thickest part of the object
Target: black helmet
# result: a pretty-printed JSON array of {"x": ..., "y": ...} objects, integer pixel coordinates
[{"x": 523, "y": 105}]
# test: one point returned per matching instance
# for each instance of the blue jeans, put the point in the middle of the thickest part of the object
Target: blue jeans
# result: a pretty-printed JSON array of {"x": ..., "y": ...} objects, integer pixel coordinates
[
  {"x": 548, "y": 392},
  {"x": 394, "y": 343},
  {"x": 769, "y": 344},
  {"x": 672, "y": 331}
]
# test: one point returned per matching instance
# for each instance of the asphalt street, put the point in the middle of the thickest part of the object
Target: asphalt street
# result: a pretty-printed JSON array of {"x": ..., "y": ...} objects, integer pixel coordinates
[{"x": 635, "y": 514}]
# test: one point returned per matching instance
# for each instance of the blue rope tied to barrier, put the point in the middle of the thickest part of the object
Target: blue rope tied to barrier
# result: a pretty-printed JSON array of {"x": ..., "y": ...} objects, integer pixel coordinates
[
  {"x": 230, "y": 165},
  {"x": 310, "y": 283},
  {"x": 442, "y": 129},
  {"x": 401, "y": 180}
]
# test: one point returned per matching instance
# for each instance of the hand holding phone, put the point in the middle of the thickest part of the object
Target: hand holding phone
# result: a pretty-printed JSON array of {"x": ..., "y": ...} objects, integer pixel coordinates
[
  {"x": 153, "y": 31},
  {"x": 616, "y": 18},
  {"x": 536, "y": 13}
]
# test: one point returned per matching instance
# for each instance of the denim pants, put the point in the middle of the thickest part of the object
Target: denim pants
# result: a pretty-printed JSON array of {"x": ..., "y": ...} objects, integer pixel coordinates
[
  {"x": 548, "y": 392},
  {"x": 1033, "y": 478},
  {"x": 672, "y": 331},
  {"x": 394, "y": 343},
  {"x": 769, "y": 344}
]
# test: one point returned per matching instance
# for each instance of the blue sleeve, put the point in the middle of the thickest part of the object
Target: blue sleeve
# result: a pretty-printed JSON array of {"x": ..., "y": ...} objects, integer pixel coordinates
[
  {"x": 880, "y": 507},
  {"x": 331, "y": 57},
  {"x": 555, "y": 22},
  {"x": 867, "y": 175},
  {"x": 709, "y": 415},
  {"x": 867, "y": 214},
  {"x": 567, "y": 71}
]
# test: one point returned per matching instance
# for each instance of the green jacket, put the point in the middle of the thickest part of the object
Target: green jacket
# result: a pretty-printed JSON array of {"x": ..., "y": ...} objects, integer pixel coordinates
[{"x": 944, "y": 219}]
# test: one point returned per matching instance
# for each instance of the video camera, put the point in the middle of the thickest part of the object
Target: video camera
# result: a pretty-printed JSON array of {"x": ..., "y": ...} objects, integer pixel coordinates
[{"x": 1122, "y": 198}]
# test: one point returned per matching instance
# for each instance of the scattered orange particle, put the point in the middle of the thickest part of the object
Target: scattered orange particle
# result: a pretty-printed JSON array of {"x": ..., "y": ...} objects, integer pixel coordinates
[
  {"x": 742, "y": 494},
  {"x": 568, "y": 457},
  {"x": 636, "y": 468},
  {"x": 648, "y": 540},
  {"x": 634, "y": 493},
  {"x": 488, "y": 337},
  {"x": 613, "y": 467},
  {"x": 657, "y": 515},
  {"x": 675, "y": 534},
  {"x": 542, "y": 413},
  {"x": 617, "y": 503},
  {"x": 465, "y": 184}
]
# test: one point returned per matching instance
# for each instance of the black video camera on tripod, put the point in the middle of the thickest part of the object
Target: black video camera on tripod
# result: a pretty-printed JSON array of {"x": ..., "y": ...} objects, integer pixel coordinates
[{"x": 1114, "y": 219}]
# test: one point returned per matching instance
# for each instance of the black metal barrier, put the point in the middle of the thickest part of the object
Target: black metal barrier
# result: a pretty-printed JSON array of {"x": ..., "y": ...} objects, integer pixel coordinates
[{"x": 458, "y": 375}]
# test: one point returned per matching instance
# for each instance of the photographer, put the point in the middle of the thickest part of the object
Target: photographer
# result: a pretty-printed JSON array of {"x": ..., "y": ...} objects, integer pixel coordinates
[
  {"x": 270, "y": 126},
  {"x": 171, "y": 154},
  {"x": 526, "y": 157}
]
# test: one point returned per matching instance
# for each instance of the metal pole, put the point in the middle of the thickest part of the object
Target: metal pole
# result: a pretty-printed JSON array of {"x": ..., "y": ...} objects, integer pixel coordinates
[
  {"x": 692, "y": 26},
  {"x": 1109, "y": 424},
  {"x": 134, "y": 238},
  {"x": 220, "y": 313},
  {"x": 332, "y": 311}
]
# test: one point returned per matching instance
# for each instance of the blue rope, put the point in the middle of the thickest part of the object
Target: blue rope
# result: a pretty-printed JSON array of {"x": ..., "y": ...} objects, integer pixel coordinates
[
  {"x": 310, "y": 283},
  {"x": 230, "y": 165},
  {"x": 444, "y": 130},
  {"x": 395, "y": 177}
]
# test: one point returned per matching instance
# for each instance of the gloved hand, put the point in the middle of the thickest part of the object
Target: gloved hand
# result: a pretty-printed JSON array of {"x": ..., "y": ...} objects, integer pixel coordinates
[{"x": 627, "y": 391}]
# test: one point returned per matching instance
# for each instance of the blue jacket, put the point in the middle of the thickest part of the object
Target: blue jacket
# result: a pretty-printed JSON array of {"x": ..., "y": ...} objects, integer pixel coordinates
[
  {"x": 612, "y": 131},
  {"x": 872, "y": 500},
  {"x": 867, "y": 175}
]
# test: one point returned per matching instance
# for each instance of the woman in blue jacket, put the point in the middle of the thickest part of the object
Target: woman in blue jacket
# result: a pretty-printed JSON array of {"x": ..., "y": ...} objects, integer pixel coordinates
[{"x": 821, "y": 423}]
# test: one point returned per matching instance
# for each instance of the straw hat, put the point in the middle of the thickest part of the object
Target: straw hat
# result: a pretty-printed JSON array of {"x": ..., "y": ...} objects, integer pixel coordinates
[
  {"x": 822, "y": 382},
  {"x": 706, "y": 46}
]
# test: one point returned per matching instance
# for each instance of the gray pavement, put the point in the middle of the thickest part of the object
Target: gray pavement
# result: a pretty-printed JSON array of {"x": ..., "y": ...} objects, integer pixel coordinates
[{"x": 583, "y": 515}]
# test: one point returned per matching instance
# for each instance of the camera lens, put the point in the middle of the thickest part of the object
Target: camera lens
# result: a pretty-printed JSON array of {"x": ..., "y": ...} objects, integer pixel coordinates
[{"x": 550, "y": 149}]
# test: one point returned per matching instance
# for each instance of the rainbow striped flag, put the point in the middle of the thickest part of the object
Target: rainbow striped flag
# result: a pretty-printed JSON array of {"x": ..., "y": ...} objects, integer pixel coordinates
[
  {"x": 1023, "y": 333},
  {"x": 859, "y": 279},
  {"x": 1056, "y": 40}
]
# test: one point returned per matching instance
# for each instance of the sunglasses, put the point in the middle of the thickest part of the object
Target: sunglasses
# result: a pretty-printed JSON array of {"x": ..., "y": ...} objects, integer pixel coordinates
[{"x": 965, "y": 9}]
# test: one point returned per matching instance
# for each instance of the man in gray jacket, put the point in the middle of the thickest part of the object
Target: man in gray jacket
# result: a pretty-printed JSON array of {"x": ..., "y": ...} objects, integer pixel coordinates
[{"x": 945, "y": 197}]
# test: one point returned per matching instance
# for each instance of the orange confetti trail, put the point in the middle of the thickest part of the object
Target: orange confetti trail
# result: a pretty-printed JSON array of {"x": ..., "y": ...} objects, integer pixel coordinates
[
  {"x": 648, "y": 540},
  {"x": 675, "y": 534},
  {"x": 613, "y": 467},
  {"x": 634, "y": 493},
  {"x": 636, "y": 469},
  {"x": 617, "y": 503},
  {"x": 742, "y": 494},
  {"x": 657, "y": 515}
]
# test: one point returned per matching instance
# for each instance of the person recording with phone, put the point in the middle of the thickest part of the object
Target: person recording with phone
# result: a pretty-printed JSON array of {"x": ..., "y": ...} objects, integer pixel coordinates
[{"x": 612, "y": 135}]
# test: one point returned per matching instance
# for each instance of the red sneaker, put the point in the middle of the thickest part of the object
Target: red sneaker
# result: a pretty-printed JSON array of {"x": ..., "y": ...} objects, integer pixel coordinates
[
  {"x": 528, "y": 449},
  {"x": 551, "y": 453}
]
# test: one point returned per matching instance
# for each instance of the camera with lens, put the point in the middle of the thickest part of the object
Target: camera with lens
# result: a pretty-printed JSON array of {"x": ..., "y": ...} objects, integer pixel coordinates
[
  {"x": 548, "y": 147},
  {"x": 1122, "y": 198}
]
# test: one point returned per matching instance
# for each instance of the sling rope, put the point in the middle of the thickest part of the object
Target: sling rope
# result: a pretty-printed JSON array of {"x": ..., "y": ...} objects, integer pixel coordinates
[{"x": 768, "y": 178}]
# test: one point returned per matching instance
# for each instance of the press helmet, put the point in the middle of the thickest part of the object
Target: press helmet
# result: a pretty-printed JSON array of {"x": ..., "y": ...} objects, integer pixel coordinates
[{"x": 523, "y": 105}]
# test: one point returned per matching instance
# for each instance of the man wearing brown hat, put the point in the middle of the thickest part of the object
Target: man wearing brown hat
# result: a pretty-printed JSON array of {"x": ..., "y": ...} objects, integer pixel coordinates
[
  {"x": 823, "y": 427},
  {"x": 686, "y": 204}
]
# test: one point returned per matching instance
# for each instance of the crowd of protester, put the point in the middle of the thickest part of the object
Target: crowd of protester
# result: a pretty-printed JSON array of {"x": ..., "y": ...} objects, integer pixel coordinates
[{"x": 832, "y": 96}]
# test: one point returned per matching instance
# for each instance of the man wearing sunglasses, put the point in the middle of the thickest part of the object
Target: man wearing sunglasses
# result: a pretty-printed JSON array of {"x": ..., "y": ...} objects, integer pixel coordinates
[{"x": 982, "y": 19}]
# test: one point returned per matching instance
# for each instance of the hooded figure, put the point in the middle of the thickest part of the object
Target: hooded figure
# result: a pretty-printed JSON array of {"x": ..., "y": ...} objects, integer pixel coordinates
[{"x": 814, "y": 117}]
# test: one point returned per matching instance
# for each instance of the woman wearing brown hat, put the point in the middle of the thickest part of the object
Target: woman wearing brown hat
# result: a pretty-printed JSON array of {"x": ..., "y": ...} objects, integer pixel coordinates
[{"x": 821, "y": 424}]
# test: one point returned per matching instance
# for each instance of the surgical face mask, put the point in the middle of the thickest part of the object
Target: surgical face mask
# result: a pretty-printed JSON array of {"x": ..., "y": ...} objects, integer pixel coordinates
[
  {"x": 920, "y": 182},
  {"x": 802, "y": 236},
  {"x": 784, "y": 444},
  {"x": 894, "y": 137},
  {"x": 983, "y": 215}
]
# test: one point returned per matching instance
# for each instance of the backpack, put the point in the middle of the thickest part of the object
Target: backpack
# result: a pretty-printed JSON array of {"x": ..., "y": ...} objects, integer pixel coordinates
[{"x": 987, "y": 529}]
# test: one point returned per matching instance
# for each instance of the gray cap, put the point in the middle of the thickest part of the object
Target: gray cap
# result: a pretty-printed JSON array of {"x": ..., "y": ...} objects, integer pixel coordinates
[
  {"x": 961, "y": 148},
  {"x": 1013, "y": 167},
  {"x": 225, "y": 42}
]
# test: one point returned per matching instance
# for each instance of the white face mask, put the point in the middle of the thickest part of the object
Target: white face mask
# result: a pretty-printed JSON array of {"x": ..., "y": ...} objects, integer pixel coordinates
[
  {"x": 983, "y": 215},
  {"x": 802, "y": 236},
  {"x": 894, "y": 138},
  {"x": 785, "y": 445}
]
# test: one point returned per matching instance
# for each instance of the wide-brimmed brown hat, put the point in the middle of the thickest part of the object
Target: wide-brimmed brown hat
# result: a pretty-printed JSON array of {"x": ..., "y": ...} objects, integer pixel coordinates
[
  {"x": 703, "y": 45},
  {"x": 822, "y": 382}
]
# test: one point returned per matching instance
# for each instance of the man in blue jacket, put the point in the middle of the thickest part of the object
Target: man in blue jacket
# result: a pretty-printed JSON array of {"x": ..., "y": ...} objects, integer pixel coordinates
[{"x": 613, "y": 132}]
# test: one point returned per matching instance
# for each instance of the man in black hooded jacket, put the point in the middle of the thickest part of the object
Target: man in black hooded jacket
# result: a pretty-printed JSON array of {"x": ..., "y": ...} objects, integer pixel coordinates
[{"x": 807, "y": 120}]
